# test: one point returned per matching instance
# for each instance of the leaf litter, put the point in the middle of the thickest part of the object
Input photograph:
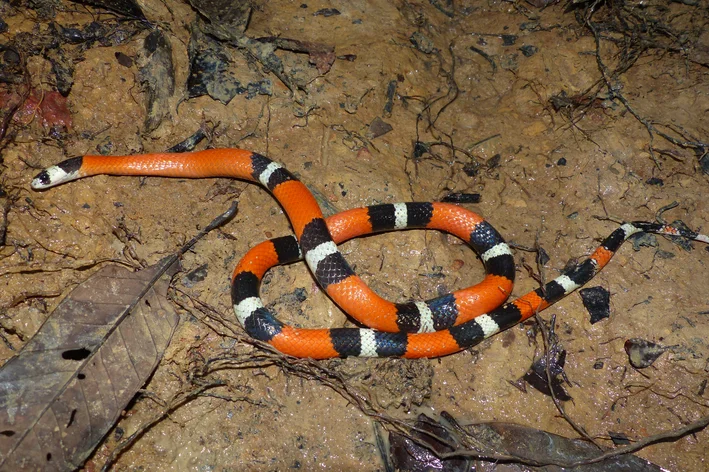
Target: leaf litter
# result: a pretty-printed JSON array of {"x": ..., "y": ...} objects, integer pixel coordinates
[
  {"x": 68, "y": 385},
  {"x": 204, "y": 372}
]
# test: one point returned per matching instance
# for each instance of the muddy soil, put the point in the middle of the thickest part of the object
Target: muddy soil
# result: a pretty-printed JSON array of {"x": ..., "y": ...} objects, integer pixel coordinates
[{"x": 546, "y": 177}]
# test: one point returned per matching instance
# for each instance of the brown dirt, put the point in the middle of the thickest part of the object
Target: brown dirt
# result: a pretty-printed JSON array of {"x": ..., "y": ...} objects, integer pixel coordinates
[{"x": 658, "y": 294}]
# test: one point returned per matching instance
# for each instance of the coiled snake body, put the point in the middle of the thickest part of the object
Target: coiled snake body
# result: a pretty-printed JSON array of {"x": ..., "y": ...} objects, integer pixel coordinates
[{"x": 436, "y": 327}]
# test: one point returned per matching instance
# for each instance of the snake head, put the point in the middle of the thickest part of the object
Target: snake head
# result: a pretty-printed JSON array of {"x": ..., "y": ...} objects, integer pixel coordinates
[{"x": 57, "y": 174}]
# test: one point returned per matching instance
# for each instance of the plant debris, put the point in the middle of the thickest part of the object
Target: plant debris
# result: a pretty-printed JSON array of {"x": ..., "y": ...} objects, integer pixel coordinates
[
  {"x": 597, "y": 301},
  {"x": 90, "y": 357},
  {"x": 643, "y": 353}
]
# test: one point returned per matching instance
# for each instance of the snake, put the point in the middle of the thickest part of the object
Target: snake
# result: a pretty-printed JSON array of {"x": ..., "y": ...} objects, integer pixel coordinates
[{"x": 416, "y": 329}]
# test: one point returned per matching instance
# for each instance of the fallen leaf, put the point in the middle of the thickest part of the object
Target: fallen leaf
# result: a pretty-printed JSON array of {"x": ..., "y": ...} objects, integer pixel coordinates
[{"x": 66, "y": 388}]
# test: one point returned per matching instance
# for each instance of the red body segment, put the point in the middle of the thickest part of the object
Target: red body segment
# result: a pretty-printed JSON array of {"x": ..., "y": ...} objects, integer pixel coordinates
[
  {"x": 313, "y": 343},
  {"x": 234, "y": 163}
]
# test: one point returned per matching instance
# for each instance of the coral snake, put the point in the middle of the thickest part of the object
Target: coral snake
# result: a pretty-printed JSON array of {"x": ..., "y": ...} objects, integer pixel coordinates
[{"x": 436, "y": 327}]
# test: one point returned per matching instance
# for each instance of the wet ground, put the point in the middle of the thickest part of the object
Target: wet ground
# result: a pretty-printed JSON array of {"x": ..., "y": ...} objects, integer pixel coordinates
[{"x": 544, "y": 175}]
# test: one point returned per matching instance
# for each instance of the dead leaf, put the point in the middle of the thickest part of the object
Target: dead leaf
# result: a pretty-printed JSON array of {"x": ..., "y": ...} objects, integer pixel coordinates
[
  {"x": 435, "y": 445},
  {"x": 66, "y": 388},
  {"x": 543, "y": 447},
  {"x": 157, "y": 74}
]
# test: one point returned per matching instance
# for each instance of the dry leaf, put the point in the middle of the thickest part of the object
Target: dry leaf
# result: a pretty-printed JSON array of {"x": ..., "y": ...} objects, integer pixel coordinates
[{"x": 66, "y": 388}]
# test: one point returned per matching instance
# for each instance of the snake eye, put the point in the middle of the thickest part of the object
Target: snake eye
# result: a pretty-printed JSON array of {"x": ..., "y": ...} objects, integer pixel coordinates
[{"x": 41, "y": 180}]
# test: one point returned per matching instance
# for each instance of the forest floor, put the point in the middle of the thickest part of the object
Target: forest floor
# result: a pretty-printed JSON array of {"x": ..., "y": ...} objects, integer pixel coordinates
[{"x": 556, "y": 125}]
